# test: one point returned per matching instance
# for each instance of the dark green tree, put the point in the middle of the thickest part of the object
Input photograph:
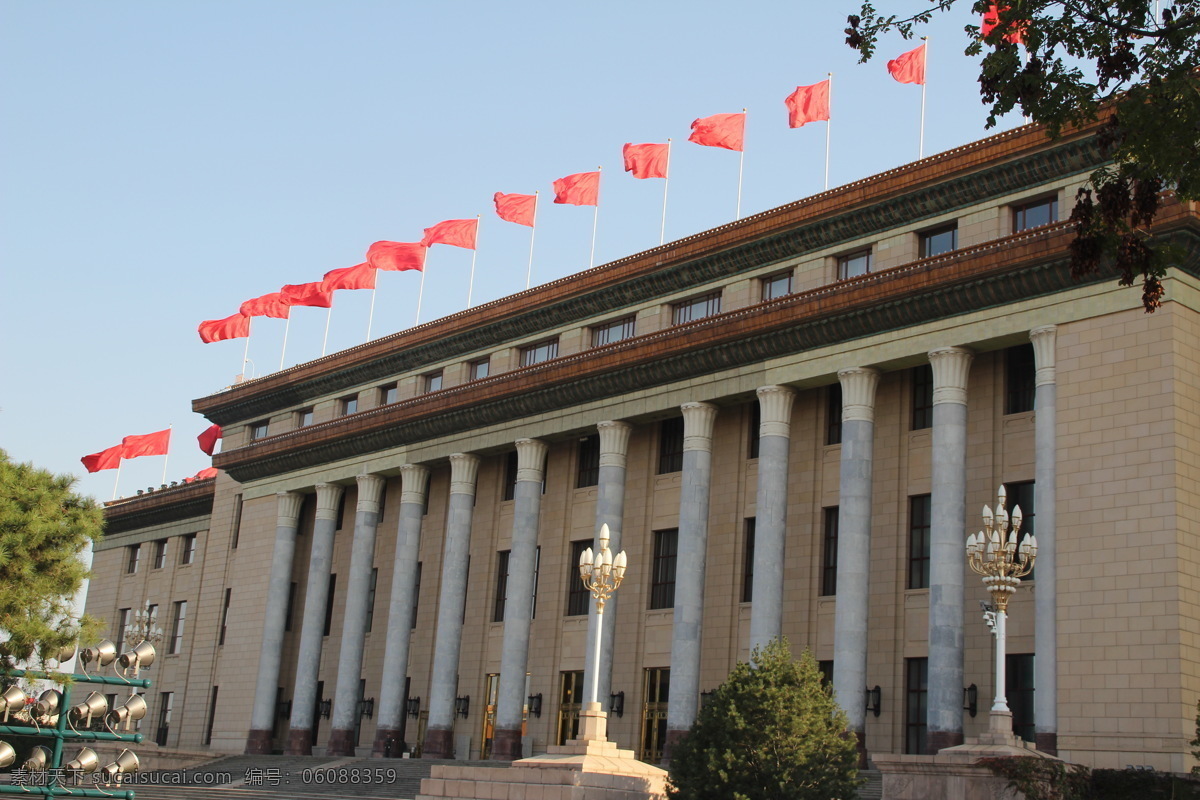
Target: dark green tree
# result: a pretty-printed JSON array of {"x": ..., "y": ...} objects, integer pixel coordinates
[
  {"x": 772, "y": 731},
  {"x": 1081, "y": 61},
  {"x": 44, "y": 526}
]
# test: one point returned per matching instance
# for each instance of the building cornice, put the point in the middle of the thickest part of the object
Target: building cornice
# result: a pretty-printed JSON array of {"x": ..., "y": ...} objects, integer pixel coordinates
[{"x": 193, "y": 499}]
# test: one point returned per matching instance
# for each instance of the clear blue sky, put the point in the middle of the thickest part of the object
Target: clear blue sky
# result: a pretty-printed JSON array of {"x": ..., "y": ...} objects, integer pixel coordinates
[{"x": 162, "y": 162}]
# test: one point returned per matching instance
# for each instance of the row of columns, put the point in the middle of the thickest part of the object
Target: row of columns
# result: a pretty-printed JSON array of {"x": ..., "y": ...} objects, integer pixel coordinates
[{"x": 951, "y": 366}]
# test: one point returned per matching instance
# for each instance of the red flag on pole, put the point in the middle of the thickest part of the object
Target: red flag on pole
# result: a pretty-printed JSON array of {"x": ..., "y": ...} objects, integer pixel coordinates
[
  {"x": 208, "y": 439},
  {"x": 580, "y": 189},
  {"x": 105, "y": 459},
  {"x": 268, "y": 305},
  {"x": 808, "y": 104},
  {"x": 720, "y": 130},
  {"x": 146, "y": 444},
  {"x": 518, "y": 208},
  {"x": 236, "y": 326},
  {"x": 909, "y": 67},
  {"x": 991, "y": 20},
  {"x": 360, "y": 276},
  {"x": 210, "y": 472},
  {"x": 646, "y": 160},
  {"x": 456, "y": 232},
  {"x": 397, "y": 256},
  {"x": 308, "y": 294}
]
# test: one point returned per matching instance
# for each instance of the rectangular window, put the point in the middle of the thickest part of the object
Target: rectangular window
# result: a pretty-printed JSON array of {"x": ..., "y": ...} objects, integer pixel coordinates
[
  {"x": 178, "y": 620},
  {"x": 657, "y": 694},
  {"x": 833, "y": 415},
  {"x": 371, "y": 587},
  {"x": 432, "y": 382},
  {"x": 389, "y": 393},
  {"x": 237, "y": 522},
  {"x": 291, "y": 606},
  {"x": 696, "y": 308},
  {"x": 614, "y": 331},
  {"x": 916, "y": 691},
  {"x": 329, "y": 605},
  {"x": 777, "y": 285},
  {"x": 260, "y": 429},
  {"x": 922, "y": 397},
  {"x": 123, "y": 619},
  {"x": 662, "y": 586},
  {"x": 826, "y": 670},
  {"x": 480, "y": 368},
  {"x": 1034, "y": 213},
  {"x": 936, "y": 241},
  {"x": 132, "y": 553},
  {"x": 577, "y": 593},
  {"x": 670, "y": 445},
  {"x": 304, "y": 418},
  {"x": 1020, "y": 379},
  {"x": 755, "y": 426},
  {"x": 829, "y": 548},
  {"x": 1018, "y": 688},
  {"x": 588, "y": 470},
  {"x": 537, "y": 353},
  {"x": 501, "y": 585},
  {"x": 854, "y": 264},
  {"x": 212, "y": 717},
  {"x": 348, "y": 405},
  {"x": 165, "y": 701},
  {"x": 160, "y": 554},
  {"x": 748, "y": 562},
  {"x": 510, "y": 476},
  {"x": 570, "y": 703},
  {"x": 152, "y": 613},
  {"x": 225, "y": 616},
  {"x": 918, "y": 541},
  {"x": 416, "y": 595},
  {"x": 187, "y": 553}
]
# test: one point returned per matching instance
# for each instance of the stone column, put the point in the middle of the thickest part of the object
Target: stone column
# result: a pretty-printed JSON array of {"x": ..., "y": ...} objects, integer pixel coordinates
[
  {"x": 312, "y": 628},
  {"x": 1045, "y": 630},
  {"x": 689, "y": 571},
  {"x": 518, "y": 601},
  {"x": 770, "y": 526},
  {"x": 854, "y": 548},
  {"x": 414, "y": 481},
  {"x": 439, "y": 734},
  {"x": 262, "y": 718},
  {"x": 354, "y": 627},
  {"x": 947, "y": 546},
  {"x": 610, "y": 510}
]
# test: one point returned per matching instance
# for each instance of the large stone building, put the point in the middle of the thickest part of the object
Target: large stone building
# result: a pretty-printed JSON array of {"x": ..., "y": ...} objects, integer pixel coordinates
[{"x": 790, "y": 423}]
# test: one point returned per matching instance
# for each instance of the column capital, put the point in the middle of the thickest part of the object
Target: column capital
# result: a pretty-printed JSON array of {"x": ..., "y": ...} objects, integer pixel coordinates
[
  {"x": 614, "y": 442},
  {"x": 698, "y": 421},
  {"x": 1044, "y": 339},
  {"x": 951, "y": 366},
  {"x": 775, "y": 410},
  {"x": 287, "y": 514},
  {"x": 370, "y": 490},
  {"x": 463, "y": 469},
  {"x": 328, "y": 497},
  {"x": 414, "y": 483},
  {"x": 531, "y": 456},
  {"x": 858, "y": 393}
]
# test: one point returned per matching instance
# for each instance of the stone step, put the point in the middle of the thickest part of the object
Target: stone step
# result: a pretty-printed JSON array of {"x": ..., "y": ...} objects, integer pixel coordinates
[{"x": 873, "y": 788}]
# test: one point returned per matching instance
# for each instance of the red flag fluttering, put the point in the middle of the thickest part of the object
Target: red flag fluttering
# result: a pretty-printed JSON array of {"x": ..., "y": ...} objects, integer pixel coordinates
[
  {"x": 720, "y": 130},
  {"x": 360, "y": 276},
  {"x": 580, "y": 189},
  {"x": 209, "y": 472},
  {"x": 518, "y": 208},
  {"x": 308, "y": 294},
  {"x": 455, "y": 232},
  {"x": 208, "y": 439},
  {"x": 105, "y": 459},
  {"x": 146, "y": 444},
  {"x": 991, "y": 20},
  {"x": 397, "y": 256},
  {"x": 909, "y": 67},
  {"x": 268, "y": 305},
  {"x": 236, "y": 326},
  {"x": 646, "y": 160},
  {"x": 808, "y": 104}
]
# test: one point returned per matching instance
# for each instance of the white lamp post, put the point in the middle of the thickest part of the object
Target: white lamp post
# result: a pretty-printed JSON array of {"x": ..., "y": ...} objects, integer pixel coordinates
[{"x": 601, "y": 573}]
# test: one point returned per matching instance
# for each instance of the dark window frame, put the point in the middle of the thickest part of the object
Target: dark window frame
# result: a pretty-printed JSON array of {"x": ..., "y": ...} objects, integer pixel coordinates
[
  {"x": 511, "y": 465},
  {"x": 930, "y": 244},
  {"x": 833, "y": 414},
  {"x": 1019, "y": 690},
  {"x": 670, "y": 445},
  {"x": 160, "y": 554},
  {"x": 225, "y": 615},
  {"x": 133, "y": 554},
  {"x": 539, "y": 353},
  {"x": 748, "y": 531},
  {"x": 348, "y": 405},
  {"x": 1021, "y": 213},
  {"x": 694, "y": 308},
  {"x": 577, "y": 594},
  {"x": 587, "y": 466},
  {"x": 187, "y": 550},
  {"x": 916, "y": 705},
  {"x": 178, "y": 624},
  {"x": 830, "y": 525},
  {"x": 920, "y": 531},
  {"x": 329, "y": 604},
  {"x": 1020, "y": 379},
  {"x": 849, "y": 261},
  {"x": 480, "y": 364},
  {"x": 922, "y": 397},
  {"x": 389, "y": 393},
  {"x": 618, "y": 330},
  {"x": 304, "y": 417},
  {"x": 752, "y": 437},
  {"x": 501, "y": 598},
  {"x": 372, "y": 589},
  {"x": 432, "y": 381},
  {"x": 662, "y": 573},
  {"x": 769, "y": 285}
]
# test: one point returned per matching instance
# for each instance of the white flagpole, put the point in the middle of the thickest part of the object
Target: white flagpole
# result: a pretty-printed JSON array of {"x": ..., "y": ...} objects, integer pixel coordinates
[
  {"x": 328, "y": 316},
  {"x": 925, "y": 79},
  {"x": 828, "y": 124},
  {"x": 741, "y": 162},
  {"x": 421, "y": 291},
  {"x": 118, "y": 480},
  {"x": 286, "y": 325},
  {"x": 474, "y": 252},
  {"x": 166, "y": 455},
  {"x": 532, "y": 233},
  {"x": 371, "y": 313},
  {"x": 246, "y": 351},
  {"x": 595, "y": 219},
  {"x": 662, "y": 234}
]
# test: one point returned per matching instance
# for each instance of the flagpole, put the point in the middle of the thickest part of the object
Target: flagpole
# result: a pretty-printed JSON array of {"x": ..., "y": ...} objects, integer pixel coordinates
[
  {"x": 246, "y": 351},
  {"x": 595, "y": 219},
  {"x": 286, "y": 325},
  {"x": 828, "y": 123},
  {"x": 532, "y": 233},
  {"x": 328, "y": 316},
  {"x": 925, "y": 80},
  {"x": 741, "y": 162},
  {"x": 474, "y": 252},
  {"x": 167, "y": 454},
  {"x": 118, "y": 480},
  {"x": 421, "y": 292},
  {"x": 662, "y": 234},
  {"x": 371, "y": 313}
]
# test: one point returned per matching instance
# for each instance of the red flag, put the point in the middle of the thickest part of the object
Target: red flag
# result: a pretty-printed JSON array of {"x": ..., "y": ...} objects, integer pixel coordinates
[
  {"x": 208, "y": 439},
  {"x": 210, "y": 472},
  {"x": 808, "y": 104},
  {"x": 105, "y": 459},
  {"x": 269, "y": 305},
  {"x": 646, "y": 160},
  {"x": 397, "y": 256},
  {"x": 909, "y": 67},
  {"x": 992, "y": 19},
  {"x": 580, "y": 189},
  {"x": 518, "y": 208},
  {"x": 308, "y": 294},
  {"x": 232, "y": 327},
  {"x": 146, "y": 444},
  {"x": 360, "y": 276},
  {"x": 456, "y": 232},
  {"x": 720, "y": 130}
]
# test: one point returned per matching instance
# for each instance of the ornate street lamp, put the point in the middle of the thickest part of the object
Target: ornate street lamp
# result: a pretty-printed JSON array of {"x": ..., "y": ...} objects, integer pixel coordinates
[
  {"x": 994, "y": 554},
  {"x": 601, "y": 573}
]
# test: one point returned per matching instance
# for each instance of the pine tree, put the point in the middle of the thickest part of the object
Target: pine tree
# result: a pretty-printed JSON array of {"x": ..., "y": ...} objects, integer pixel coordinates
[{"x": 772, "y": 731}]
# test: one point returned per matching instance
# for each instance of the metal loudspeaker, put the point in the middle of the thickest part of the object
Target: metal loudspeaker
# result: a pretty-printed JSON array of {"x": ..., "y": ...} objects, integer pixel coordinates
[
  {"x": 12, "y": 700},
  {"x": 134, "y": 709},
  {"x": 48, "y": 706},
  {"x": 96, "y": 705},
  {"x": 102, "y": 654},
  {"x": 39, "y": 759},
  {"x": 140, "y": 656},
  {"x": 65, "y": 654},
  {"x": 85, "y": 761},
  {"x": 7, "y": 755},
  {"x": 127, "y": 761}
]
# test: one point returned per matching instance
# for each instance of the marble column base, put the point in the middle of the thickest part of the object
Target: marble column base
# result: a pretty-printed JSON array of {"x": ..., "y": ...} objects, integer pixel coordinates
[
  {"x": 299, "y": 742},
  {"x": 860, "y": 744},
  {"x": 258, "y": 743},
  {"x": 506, "y": 744},
  {"x": 380, "y": 747},
  {"x": 1047, "y": 743},
  {"x": 438, "y": 744},
  {"x": 341, "y": 743},
  {"x": 936, "y": 741}
]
